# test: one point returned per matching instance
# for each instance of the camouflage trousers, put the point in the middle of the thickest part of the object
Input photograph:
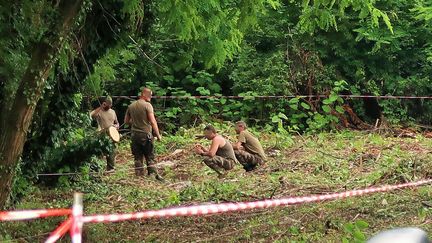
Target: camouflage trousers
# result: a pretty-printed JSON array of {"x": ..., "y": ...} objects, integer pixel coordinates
[
  {"x": 142, "y": 147},
  {"x": 110, "y": 158},
  {"x": 219, "y": 164},
  {"x": 248, "y": 160}
]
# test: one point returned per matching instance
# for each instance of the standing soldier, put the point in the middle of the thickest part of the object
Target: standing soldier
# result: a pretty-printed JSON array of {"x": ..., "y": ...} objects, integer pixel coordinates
[
  {"x": 106, "y": 118},
  {"x": 248, "y": 149},
  {"x": 220, "y": 156},
  {"x": 141, "y": 116}
]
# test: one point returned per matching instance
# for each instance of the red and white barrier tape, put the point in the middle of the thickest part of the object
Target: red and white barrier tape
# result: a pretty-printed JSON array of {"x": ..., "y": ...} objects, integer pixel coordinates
[
  {"x": 33, "y": 214},
  {"x": 77, "y": 224},
  {"x": 231, "y": 207},
  {"x": 60, "y": 231},
  {"x": 277, "y": 97}
]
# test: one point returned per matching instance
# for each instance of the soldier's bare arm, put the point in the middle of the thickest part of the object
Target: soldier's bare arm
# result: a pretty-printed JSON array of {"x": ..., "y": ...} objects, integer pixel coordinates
[
  {"x": 95, "y": 112},
  {"x": 216, "y": 143},
  {"x": 127, "y": 119},
  {"x": 116, "y": 123},
  {"x": 237, "y": 146},
  {"x": 154, "y": 125}
]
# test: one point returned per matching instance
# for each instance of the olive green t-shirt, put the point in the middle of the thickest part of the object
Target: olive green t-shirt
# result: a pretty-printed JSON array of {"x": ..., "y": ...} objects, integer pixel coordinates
[
  {"x": 226, "y": 151},
  {"x": 251, "y": 144},
  {"x": 138, "y": 112},
  {"x": 105, "y": 119}
]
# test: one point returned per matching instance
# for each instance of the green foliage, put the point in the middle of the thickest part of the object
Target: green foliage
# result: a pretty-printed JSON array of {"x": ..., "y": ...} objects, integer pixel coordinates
[
  {"x": 215, "y": 27},
  {"x": 423, "y": 12},
  {"x": 356, "y": 41},
  {"x": 78, "y": 149},
  {"x": 323, "y": 14},
  {"x": 134, "y": 11},
  {"x": 283, "y": 136},
  {"x": 302, "y": 116},
  {"x": 63, "y": 142},
  {"x": 371, "y": 58},
  {"x": 107, "y": 69},
  {"x": 355, "y": 232},
  {"x": 330, "y": 106},
  {"x": 21, "y": 185}
]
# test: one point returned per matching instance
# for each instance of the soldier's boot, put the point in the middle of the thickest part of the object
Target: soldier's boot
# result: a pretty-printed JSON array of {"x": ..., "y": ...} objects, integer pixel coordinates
[
  {"x": 151, "y": 169},
  {"x": 139, "y": 169}
]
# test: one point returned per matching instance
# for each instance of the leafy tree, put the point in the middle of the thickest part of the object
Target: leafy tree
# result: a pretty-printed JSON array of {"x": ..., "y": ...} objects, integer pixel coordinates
[{"x": 21, "y": 93}]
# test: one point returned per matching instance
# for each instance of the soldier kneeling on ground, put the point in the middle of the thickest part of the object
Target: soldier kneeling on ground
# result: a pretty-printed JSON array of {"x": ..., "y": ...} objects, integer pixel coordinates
[
  {"x": 220, "y": 156},
  {"x": 248, "y": 149}
]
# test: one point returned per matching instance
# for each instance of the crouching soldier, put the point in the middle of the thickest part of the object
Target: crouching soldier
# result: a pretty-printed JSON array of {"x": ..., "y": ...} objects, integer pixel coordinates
[
  {"x": 220, "y": 156},
  {"x": 248, "y": 149}
]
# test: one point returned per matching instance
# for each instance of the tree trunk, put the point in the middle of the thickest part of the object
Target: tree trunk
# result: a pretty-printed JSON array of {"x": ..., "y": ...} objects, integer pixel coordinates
[{"x": 14, "y": 123}]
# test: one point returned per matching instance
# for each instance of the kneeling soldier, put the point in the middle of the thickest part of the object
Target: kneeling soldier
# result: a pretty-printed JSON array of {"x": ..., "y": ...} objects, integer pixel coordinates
[
  {"x": 248, "y": 149},
  {"x": 220, "y": 156}
]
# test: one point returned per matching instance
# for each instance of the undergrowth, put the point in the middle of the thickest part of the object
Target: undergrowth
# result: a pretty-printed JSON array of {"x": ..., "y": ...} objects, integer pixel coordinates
[{"x": 299, "y": 165}]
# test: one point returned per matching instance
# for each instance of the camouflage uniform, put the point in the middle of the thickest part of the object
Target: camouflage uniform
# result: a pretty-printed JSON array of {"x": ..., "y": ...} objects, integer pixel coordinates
[
  {"x": 223, "y": 160},
  {"x": 253, "y": 153},
  {"x": 142, "y": 147},
  {"x": 111, "y": 156},
  {"x": 248, "y": 160},
  {"x": 218, "y": 164}
]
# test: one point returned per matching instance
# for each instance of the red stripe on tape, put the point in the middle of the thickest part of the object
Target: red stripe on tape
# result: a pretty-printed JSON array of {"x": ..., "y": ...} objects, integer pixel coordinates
[
  {"x": 60, "y": 231},
  {"x": 231, "y": 207},
  {"x": 33, "y": 214}
]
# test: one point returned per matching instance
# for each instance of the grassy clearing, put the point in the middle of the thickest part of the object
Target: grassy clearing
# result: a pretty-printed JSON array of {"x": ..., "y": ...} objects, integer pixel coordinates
[{"x": 323, "y": 163}]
